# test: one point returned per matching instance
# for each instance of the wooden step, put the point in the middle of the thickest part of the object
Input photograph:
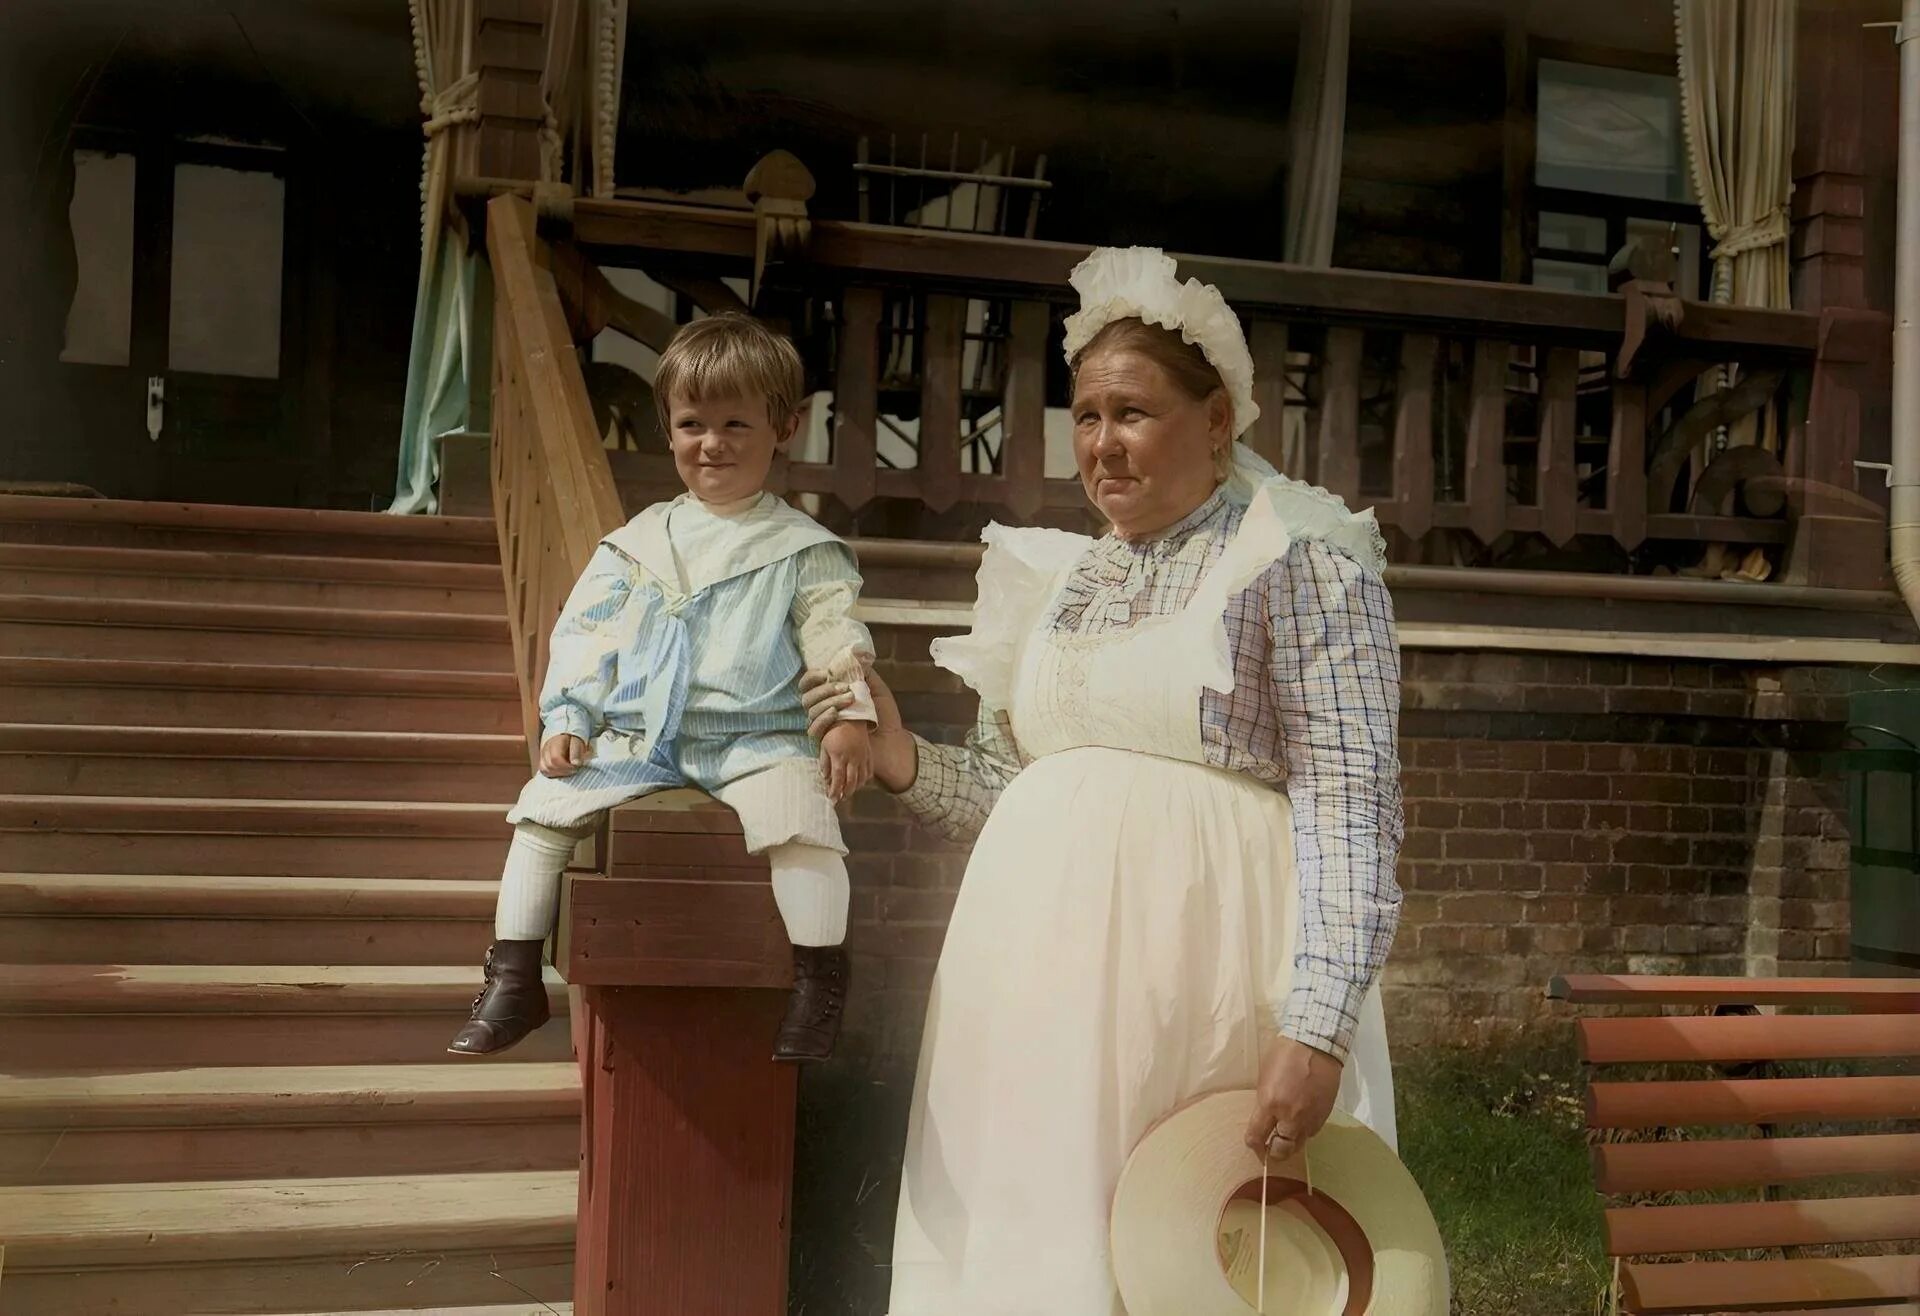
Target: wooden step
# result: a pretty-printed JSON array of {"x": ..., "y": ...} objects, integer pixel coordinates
[
  {"x": 510, "y": 1309},
  {"x": 267, "y": 1122},
  {"x": 39, "y": 626},
  {"x": 276, "y": 838},
  {"x": 112, "y": 918},
  {"x": 259, "y": 1245},
  {"x": 201, "y": 527},
  {"x": 65, "y": 1017},
  {"x": 180, "y": 575},
  {"x": 269, "y": 764},
  {"x": 139, "y": 692}
]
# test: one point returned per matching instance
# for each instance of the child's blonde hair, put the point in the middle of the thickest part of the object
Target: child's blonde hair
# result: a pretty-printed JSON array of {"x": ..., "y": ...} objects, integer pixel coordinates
[{"x": 726, "y": 356}]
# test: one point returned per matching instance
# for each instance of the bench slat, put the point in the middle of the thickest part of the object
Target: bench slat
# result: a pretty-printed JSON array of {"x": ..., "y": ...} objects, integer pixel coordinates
[
  {"x": 1649, "y": 1105},
  {"x": 1748, "y": 1037},
  {"x": 1689, "y": 1287},
  {"x": 1653, "y": 1167},
  {"x": 1889, "y": 994},
  {"x": 1639, "y": 1231}
]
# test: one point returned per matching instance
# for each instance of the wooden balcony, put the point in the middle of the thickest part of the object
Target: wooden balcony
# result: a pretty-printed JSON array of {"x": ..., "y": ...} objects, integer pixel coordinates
[{"x": 1487, "y": 424}]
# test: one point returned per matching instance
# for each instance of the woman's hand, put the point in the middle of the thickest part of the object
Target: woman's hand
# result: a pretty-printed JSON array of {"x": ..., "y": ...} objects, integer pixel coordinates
[
  {"x": 896, "y": 759},
  {"x": 1295, "y": 1095},
  {"x": 563, "y": 755},
  {"x": 846, "y": 759}
]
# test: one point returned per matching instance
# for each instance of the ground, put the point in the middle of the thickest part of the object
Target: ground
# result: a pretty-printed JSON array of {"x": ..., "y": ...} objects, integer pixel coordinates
[{"x": 1494, "y": 1137}]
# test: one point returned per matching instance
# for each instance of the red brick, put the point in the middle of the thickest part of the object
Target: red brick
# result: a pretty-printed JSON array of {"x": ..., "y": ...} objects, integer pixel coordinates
[
  {"x": 1565, "y": 817},
  {"x": 1564, "y": 758},
  {"x": 1566, "y": 878},
  {"x": 1641, "y": 939},
  {"x": 1521, "y": 756},
  {"x": 1422, "y": 844},
  {"x": 1522, "y": 877},
  {"x": 1647, "y": 880},
  {"x": 1524, "y": 817},
  {"x": 1437, "y": 814},
  {"x": 1650, "y": 818},
  {"x": 1552, "y": 847},
  {"x": 1642, "y": 909},
  {"x": 1550, "y": 909},
  {"x": 1596, "y": 938},
  {"x": 1561, "y": 940},
  {"x": 1486, "y": 845},
  {"x": 901, "y": 906},
  {"x": 1681, "y": 940},
  {"x": 1562, "y": 699},
  {"x": 1427, "y": 877},
  {"x": 1481, "y": 907},
  {"x": 1651, "y": 849},
  {"x": 1483, "y": 815},
  {"x": 1568, "y": 786},
  {"x": 1500, "y": 786},
  {"x": 1650, "y": 674}
]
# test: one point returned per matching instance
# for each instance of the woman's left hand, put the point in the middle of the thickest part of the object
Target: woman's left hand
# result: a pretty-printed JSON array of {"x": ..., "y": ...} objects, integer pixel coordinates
[{"x": 1295, "y": 1095}]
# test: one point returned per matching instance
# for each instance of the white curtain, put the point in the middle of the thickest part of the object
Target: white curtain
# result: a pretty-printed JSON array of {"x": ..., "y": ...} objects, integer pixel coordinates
[
  {"x": 1317, "y": 127},
  {"x": 1736, "y": 95},
  {"x": 1737, "y": 106}
]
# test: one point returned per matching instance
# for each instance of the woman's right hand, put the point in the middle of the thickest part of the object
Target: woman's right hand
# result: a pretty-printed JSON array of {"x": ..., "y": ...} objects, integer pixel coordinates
[{"x": 896, "y": 758}]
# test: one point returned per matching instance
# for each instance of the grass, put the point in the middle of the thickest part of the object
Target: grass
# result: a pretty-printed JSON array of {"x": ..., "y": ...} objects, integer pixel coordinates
[{"x": 1494, "y": 1138}]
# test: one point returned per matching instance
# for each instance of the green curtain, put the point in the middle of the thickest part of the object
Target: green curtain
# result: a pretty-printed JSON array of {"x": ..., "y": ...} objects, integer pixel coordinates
[{"x": 440, "y": 365}]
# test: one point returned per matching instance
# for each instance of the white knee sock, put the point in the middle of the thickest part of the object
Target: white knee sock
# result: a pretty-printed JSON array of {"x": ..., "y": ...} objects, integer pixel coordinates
[
  {"x": 810, "y": 886},
  {"x": 530, "y": 886}
]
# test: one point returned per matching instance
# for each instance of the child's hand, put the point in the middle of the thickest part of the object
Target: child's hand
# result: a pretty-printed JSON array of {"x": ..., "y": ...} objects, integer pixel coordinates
[
  {"x": 846, "y": 759},
  {"x": 563, "y": 755}
]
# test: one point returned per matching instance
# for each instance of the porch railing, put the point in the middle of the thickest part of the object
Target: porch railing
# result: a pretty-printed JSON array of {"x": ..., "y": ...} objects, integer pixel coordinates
[
  {"x": 554, "y": 495},
  {"x": 1497, "y": 413}
]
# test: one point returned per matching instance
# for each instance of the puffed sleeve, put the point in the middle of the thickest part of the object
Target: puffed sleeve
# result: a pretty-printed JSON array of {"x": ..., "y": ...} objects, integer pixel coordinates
[
  {"x": 582, "y": 654},
  {"x": 831, "y": 641}
]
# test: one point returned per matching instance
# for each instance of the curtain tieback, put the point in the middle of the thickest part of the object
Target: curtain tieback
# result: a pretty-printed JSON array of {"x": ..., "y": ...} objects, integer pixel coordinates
[
  {"x": 457, "y": 102},
  {"x": 1737, "y": 239}
]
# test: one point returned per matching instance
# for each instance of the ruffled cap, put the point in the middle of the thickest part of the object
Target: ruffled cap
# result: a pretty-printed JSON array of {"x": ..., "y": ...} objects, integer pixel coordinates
[{"x": 1116, "y": 283}]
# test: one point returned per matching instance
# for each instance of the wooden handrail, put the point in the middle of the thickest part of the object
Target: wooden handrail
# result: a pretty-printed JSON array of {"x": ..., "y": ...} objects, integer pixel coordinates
[
  {"x": 1026, "y": 267},
  {"x": 553, "y": 491}
]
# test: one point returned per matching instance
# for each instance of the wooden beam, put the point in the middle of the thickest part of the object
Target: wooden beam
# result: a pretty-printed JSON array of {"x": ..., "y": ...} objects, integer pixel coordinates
[
  {"x": 1413, "y": 435},
  {"x": 1559, "y": 481},
  {"x": 1337, "y": 433},
  {"x": 1023, "y": 409},
  {"x": 1627, "y": 465},
  {"x": 1267, "y": 342},
  {"x": 940, "y": 350},
  {"x": 1486, "y": 441},
  {"x": 856, "y": 398}
]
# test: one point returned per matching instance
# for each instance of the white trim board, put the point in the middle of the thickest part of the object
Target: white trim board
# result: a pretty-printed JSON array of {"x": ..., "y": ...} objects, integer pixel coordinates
[{"x": 1768, "y": 649}]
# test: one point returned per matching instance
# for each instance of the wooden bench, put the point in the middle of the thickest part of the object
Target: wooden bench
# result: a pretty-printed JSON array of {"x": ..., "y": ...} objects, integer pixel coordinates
[{"x": 1732, "y": 1147}]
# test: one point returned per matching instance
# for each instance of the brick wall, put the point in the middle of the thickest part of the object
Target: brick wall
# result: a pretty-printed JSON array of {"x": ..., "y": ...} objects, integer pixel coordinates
[{"x": 1565, "y": 814}]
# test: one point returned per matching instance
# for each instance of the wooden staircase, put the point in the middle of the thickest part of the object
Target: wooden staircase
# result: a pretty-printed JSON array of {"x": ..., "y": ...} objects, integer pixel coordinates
[{"x": 253, "y": 767}]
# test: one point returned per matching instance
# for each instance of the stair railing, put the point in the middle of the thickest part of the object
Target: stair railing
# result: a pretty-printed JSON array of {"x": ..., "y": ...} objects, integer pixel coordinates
[{"x": 553, "y": 491}]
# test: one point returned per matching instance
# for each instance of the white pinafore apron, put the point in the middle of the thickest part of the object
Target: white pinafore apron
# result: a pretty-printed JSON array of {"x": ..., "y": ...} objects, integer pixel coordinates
[{"x": 1122, "y": 938}]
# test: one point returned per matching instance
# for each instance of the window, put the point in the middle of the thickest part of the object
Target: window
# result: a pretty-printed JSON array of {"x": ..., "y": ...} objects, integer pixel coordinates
[
  {"x": 100, "y": 319},
  {"x": 1610, "y": 167},
  {"x": 228, "y": 233}
]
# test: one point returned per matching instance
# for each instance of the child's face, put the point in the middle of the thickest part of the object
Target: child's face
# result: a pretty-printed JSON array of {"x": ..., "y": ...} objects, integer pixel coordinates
[{"x": 723, "y": 447}]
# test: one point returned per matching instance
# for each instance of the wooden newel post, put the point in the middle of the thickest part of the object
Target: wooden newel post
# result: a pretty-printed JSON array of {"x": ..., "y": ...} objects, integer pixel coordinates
[{"x": 687, "y": 1124}]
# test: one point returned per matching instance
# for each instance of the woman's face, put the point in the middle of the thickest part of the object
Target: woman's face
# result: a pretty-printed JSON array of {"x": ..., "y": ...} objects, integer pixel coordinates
[{"x": 1145, "y": 449}]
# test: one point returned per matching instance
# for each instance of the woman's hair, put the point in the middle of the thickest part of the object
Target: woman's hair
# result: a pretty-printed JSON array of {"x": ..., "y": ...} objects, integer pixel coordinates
[
  {"x": 1184, "y": 362},
  {"x": 726, "y": 356}
]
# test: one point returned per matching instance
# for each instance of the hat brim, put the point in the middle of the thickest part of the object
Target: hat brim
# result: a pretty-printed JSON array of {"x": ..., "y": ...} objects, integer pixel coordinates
[{"x": 1177, "y": 1183}]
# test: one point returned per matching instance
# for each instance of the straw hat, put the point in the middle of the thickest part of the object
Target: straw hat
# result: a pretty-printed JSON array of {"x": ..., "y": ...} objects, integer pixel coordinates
[{"x": 1187, "y": 1218}]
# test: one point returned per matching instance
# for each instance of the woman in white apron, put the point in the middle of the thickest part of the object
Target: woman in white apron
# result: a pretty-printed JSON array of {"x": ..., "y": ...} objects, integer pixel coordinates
[{"x": 1187, "y": 773}]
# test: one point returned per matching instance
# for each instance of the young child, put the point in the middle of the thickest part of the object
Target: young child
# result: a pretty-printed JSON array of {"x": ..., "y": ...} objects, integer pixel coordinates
[{"x": 675, "y": 663}]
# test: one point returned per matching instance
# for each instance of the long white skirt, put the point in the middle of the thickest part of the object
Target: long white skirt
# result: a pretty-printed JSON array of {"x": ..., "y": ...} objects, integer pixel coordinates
[{"x": 1123, "y": 930}]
